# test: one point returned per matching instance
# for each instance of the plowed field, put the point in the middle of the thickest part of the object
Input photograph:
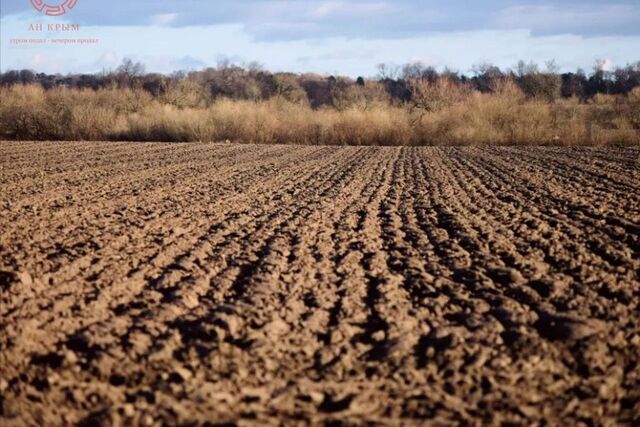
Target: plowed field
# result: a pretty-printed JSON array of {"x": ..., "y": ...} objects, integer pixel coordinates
[{"x": 185, "y": 284}]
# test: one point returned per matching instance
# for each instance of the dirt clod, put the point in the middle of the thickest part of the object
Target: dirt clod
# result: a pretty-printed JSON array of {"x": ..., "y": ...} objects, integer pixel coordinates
[{"x": 128, "y": 410}]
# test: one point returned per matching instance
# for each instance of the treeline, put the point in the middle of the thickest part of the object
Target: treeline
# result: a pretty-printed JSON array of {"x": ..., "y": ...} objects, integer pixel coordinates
[
  {"x": 392, "y": 84},
  {"x": 410, "y": 105}
]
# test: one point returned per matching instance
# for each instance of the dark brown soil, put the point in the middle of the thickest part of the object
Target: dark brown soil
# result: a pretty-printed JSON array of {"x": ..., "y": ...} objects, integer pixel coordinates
[{"x": 163, "y": 284}]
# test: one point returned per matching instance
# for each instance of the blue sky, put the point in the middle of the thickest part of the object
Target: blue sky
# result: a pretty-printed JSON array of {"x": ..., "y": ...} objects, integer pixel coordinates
[{"x": 338, "y": 37}]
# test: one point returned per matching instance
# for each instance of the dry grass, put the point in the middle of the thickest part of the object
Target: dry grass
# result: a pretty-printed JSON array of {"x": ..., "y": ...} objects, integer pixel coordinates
[
  {"x": 506, "y": 117},
  {"x": 503, "y": 117},
  {"x": 270, "y": 122}
]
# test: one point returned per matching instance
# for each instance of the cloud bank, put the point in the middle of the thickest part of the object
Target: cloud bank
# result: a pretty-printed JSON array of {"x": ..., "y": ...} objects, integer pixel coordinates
[
  {"x": 295, "y": 19},
  {"x": 337, "y": 36}
]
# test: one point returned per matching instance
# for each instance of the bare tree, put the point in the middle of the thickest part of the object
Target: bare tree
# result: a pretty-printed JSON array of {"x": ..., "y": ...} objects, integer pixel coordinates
[
  {"x": 552, "y": 66},
  {"x": 388, "y": 72},
  {"x": 419, "y": 71},
  {"x": 429, "y": 97},
  {"x": 128, "y": 72},
  {"x": 539, "y": 84}
]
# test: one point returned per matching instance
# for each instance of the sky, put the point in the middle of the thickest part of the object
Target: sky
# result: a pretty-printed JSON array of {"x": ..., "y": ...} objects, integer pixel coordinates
[{"x": 329, "y": 37}]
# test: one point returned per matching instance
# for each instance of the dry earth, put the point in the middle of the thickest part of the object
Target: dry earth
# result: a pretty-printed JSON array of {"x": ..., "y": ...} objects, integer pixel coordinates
[{"x": 197, "y": 284}]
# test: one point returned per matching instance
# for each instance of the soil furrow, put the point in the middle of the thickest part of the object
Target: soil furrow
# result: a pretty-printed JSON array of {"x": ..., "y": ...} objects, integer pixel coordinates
[{"x": 177, "y": 284}]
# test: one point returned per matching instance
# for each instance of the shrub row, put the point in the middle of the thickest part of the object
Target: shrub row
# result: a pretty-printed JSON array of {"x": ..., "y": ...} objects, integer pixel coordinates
[{"x": 444, "y": 116}]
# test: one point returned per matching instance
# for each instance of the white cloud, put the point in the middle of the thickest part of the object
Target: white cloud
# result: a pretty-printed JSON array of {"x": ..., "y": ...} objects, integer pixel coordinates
[
  {"x": 325, "y": 9},
  {"x": 108, "y": 58},
  {"x": 347, "y": 9},
  {"x": 163, "y": 19},
  {"x": 552, "y": 19}
]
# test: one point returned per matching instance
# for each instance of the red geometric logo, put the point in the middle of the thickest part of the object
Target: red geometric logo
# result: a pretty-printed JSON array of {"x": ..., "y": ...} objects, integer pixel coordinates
[{"x": 53, "y": 9}]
